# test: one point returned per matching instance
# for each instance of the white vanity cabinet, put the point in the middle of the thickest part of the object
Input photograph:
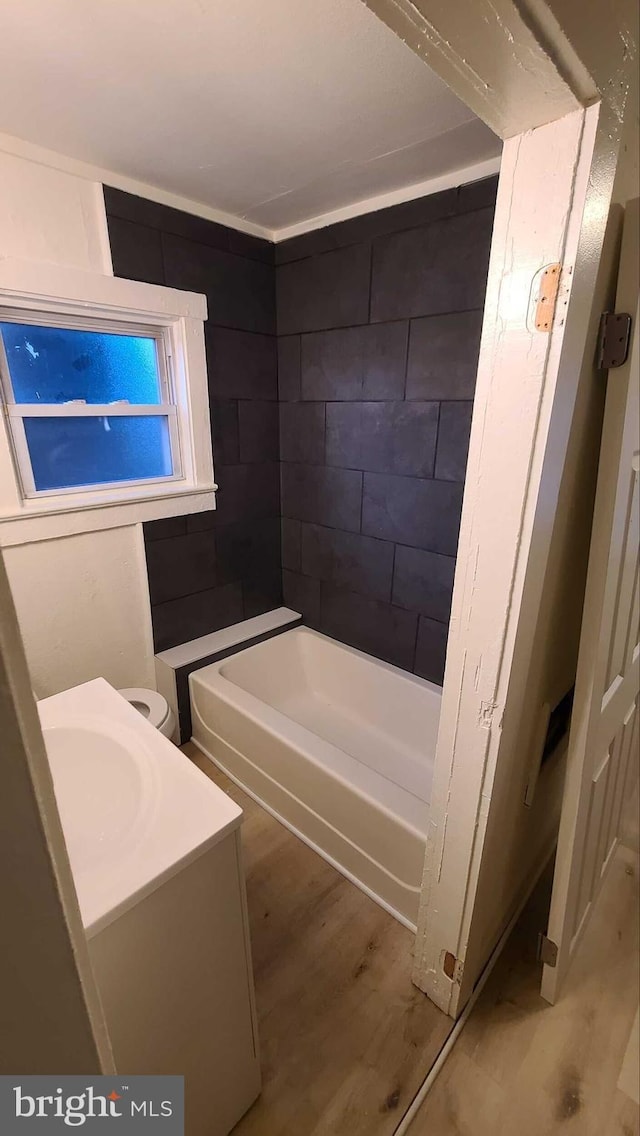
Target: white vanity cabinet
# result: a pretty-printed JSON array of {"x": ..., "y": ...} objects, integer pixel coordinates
[
  {"x": 156, "y": 858},
  {"x": 174, "y": 975}
]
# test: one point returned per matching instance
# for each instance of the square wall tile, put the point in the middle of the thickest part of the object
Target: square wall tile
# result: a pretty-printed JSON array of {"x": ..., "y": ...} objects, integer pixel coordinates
[
  {"x": 240, "y": 292},
  {"x": 136, "y": 251},
  {"x": 181, "y": 565},
  {"x": 454, "y": 431},
  {"x": 189, "y": 617},
  {"x": 164, "y": 527},
  {"x": 247, "y": 549},
  {"x": 225, "y": 434},
  {"x": 439, "y": 268},
  {"x": 302, "y": 432},
  {"x": 329, "y": 290},
  {"x": 413, "y": 511},
  {"x": 291, "y": 539},
  {"x": 288, "y": 367},
  {"x": 323, "y": 496},
  {"x": 423, "y": 581},
  {"x": 478, "y": 194},
  {"x": 431, "y": 650},
  {"x": 377, "y": 628},
  {"x": 198, "y": 522},
  {"x": 350, "y": 560},
  {"x": 344, "y": 434},
  {"x": 247, "y": 492},
  {"x": 258, "y": 430},
  {"x": 387, "y": 437},
  {"x": 262, "y": 592},
  {"x": 301, "y": 593},
  {"x": 443, "y": 356},
  {"x": 355, "y": 362},
  {"x": 241, "y": 364}
]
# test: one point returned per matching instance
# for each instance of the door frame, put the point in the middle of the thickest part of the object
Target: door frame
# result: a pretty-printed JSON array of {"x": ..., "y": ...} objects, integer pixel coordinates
[{"x": 556, "y": 92}]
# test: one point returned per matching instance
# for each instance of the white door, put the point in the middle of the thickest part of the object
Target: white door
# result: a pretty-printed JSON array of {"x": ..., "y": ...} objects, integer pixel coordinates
[{"x": 604, "y": 727}]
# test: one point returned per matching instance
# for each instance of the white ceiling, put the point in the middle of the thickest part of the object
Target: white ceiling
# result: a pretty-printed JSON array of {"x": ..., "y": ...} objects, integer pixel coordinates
[{"x": 276, "y": 111}]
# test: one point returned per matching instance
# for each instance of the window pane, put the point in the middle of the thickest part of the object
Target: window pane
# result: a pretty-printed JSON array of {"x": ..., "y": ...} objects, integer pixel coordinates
[
  {"x": 55, "y": 364},
  {"x": 90, "y": 451}
]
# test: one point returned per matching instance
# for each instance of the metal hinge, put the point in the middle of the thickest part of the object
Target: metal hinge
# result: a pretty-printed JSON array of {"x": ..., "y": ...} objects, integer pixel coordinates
[
  {"x": 613, "y": 340},
  {"x": 547, "y": 950}
]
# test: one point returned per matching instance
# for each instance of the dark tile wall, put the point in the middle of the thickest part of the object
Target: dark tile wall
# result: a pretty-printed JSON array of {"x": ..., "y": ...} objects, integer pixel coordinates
[
  {"x": 340, "y": 445},
  {"x": 209, "y": 570},
  {"x": 379, "y": 325}
]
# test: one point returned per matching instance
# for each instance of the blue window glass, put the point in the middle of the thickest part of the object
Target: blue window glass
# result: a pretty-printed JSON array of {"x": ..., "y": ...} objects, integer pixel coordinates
[
  {"x": 67, "y": 452},
  {"x": 55, "y": 364}
]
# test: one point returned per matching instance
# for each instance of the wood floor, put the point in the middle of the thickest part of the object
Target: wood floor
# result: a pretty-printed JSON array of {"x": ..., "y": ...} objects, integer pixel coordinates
[
  {"x": 522, "y": 1068},
  {"x": 346, "y": 1039}
]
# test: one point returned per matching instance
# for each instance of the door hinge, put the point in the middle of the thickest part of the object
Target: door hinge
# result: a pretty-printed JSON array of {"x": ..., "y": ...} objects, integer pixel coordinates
[
  {"x": 547, "y": 950},
  {"x": 613, "y": 340}
]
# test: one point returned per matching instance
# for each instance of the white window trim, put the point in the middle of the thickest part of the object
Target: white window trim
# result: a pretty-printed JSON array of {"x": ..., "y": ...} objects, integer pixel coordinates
[{"x": 31, "y": 287}]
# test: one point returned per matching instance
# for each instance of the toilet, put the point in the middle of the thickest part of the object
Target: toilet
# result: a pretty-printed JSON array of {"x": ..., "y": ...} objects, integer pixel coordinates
[{"x": 153, "y": 707}]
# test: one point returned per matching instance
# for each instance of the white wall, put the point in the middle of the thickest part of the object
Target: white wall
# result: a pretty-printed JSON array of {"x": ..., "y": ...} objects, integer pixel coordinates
[
  {"x": 82, "y": 601},
  {"x": 83, "y": 609},
  {"x": 48, "y": 214}
]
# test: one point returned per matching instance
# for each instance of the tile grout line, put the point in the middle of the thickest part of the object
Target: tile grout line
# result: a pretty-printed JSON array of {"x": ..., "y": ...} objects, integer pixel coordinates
[
  {"x": 436, "y": 443},
  {"x": 370, "y": 283},
  {"x": 355, "y": 326},
  {"x": 406, "y": 364}
]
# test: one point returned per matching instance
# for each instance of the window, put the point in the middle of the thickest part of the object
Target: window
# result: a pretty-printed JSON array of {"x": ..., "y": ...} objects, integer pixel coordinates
[
  {"x": 104, "y": 406},
  {"x": 88, "y": 405}
]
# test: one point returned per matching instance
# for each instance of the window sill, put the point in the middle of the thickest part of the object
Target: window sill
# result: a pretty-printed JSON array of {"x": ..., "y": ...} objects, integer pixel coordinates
[{"x": 59, "y": 519}]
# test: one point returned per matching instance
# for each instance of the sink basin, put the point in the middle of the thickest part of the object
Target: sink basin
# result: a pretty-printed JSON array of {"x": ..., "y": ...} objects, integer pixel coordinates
[
  {"x": 99, "y": 782},
  {"x": 134, "y": 810}
]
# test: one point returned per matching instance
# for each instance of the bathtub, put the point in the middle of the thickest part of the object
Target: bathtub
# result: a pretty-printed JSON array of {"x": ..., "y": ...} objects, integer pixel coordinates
[{"x": 337, "y": 745}]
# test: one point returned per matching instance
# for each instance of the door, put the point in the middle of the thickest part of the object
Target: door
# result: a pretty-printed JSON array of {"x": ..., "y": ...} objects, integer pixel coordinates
[{"x": 604, "y": 728}]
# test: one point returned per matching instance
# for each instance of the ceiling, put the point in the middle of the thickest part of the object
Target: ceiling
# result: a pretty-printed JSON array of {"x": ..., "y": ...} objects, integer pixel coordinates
[{"x": 275, "y": 111}]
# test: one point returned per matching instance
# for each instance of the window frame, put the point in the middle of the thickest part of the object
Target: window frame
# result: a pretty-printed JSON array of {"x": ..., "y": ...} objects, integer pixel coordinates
[
  {"x": 53, "y": 296},
  {"x": 17, "y": 412}
]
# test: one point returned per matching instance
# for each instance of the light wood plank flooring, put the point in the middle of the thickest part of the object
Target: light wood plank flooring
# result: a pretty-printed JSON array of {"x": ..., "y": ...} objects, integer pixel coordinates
[
  {"x": 346, "y": 1039},
  {"x": 522, "y": 1067}
]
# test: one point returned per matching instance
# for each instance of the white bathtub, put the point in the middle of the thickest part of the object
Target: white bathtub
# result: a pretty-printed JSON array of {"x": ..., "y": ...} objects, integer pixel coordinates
[{"x": 337, "y": 745}]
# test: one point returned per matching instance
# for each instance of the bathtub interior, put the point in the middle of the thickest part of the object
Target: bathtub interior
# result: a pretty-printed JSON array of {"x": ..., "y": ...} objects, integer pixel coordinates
[{"x": 381, "y": 716}]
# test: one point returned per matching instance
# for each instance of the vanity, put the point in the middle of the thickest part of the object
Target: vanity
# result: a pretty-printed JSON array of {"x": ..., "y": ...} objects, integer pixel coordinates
[{"x": 155, "y": 853}]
